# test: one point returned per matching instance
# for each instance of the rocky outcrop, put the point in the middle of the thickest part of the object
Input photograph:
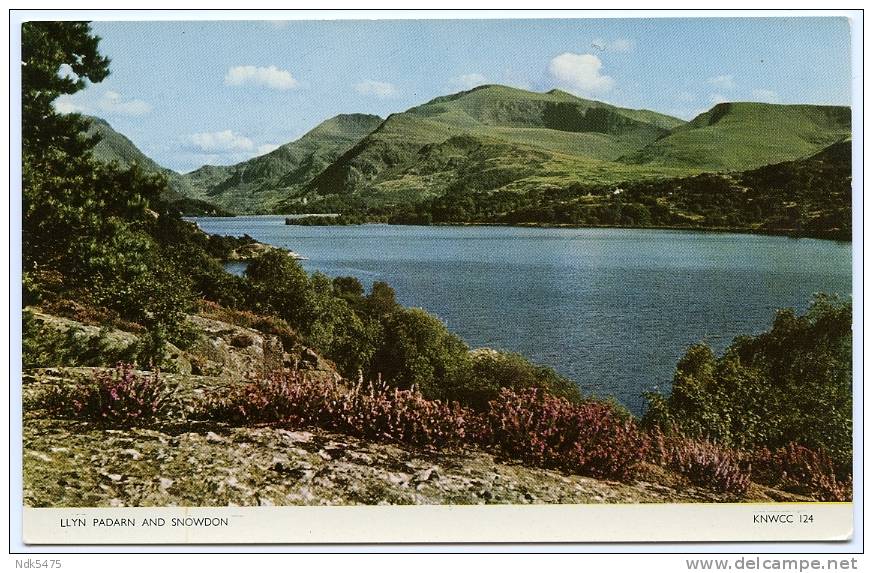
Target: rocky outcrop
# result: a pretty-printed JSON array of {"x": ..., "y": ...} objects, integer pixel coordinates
[
  {"x": 254, "y": 250},
  {"x": 220, "y": 349},
  {"x": 182, "y": 460},
  {"x": 69, "y": 464}
]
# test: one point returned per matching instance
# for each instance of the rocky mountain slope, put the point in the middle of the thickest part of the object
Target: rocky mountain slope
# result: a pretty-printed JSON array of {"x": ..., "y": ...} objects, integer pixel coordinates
[
  {"x": 254, "y": 186},
  {"x": 515, "y": 134},
  {"x": 494, "y": 139}
]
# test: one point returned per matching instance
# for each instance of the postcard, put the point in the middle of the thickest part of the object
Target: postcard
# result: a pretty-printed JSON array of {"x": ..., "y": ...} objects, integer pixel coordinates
[{"x": 510, "y": 279}]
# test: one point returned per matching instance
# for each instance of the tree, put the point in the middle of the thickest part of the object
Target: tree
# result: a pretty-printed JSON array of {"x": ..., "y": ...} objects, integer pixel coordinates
[
  {"x": 417, "y": 349},
  {"x": 45, "y": 48},
  {"x": 790, "y": 384},
  {"x": 381, "y": 300},
  {"x": 87, "y": 225}
]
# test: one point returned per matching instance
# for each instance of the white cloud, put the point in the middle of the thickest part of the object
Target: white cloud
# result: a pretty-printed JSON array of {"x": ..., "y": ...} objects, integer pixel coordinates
[
  {"x": 113, "y": 103},
  {"x": 66, "y": 71},
  {"x": 220, "y": 141},
  {"x": 66, "y": 104},
  {"x": 580, "y": 73},
  {"x": 723, "y": 82},
  {"x": 220, "y": 148},
  {"x": 467, "y": 81},
  {"x": 270, "y": 77},
  {"x": 766, "y": 96},
  {"x": 620, "y": 45},
  {"x": 381, "y": 90},
  {"x": 717, "y": 98},
  {"x": 109, "y": 103}
]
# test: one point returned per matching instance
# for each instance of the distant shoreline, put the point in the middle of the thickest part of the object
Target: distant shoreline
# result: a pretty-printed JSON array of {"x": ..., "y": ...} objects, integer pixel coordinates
[{"x": 790, "y": 233}]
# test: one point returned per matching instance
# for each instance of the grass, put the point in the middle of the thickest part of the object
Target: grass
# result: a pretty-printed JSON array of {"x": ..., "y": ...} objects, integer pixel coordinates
[
  {"x": 737, "y": 136},
  {"x": 499, "y": 138}
]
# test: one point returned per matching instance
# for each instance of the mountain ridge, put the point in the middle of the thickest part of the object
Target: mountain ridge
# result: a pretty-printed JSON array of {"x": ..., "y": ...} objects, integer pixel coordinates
[
  {"x": 112, "y": 146},
  {"x": 262, "y": 179},
  {"x": 498, "y": 138}
]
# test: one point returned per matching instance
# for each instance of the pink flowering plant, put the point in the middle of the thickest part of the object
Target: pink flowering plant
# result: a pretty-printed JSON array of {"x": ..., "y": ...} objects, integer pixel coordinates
[
  {"x": 704, "y": 463},
  {"x": 121, "y": 397},
  {"x": 802, "y": 470},
  {"x": 589, "y": 438}
]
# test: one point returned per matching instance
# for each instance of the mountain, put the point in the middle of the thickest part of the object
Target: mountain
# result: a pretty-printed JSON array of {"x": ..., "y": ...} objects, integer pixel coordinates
[
  {"x": 254, "y": 186},
  {"x": 515, "y": 134},
  {"x": 737, "y": 136},
  {"x": 495, "y": 140},
  {"x": 114, "y": 147}
]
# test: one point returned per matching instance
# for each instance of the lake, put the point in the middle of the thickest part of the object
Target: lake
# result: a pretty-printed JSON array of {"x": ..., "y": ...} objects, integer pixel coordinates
[{"x": 612, "y": 309}]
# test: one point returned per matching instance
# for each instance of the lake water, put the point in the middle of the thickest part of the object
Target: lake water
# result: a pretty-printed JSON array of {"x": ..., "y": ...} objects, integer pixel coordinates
[{"x": 612, "y": 309}]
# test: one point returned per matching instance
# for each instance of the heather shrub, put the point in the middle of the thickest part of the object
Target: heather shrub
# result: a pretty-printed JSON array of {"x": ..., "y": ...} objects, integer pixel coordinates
[
  {"x": 121, "y": 397},
  {"x": 589, "y": 438},
  {"x": 374, "y": 412},
  {"x": 287, "y": 398},
  {"x": 405, "y": 416},
  {"x": 801, "y": 470},
  {"x": 532, "y": 427},
  {"x": 704, "y": 463}
]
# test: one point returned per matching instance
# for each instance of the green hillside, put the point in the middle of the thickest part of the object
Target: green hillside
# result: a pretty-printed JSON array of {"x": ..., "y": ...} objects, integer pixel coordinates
[
  {"x": 735, "y": 136},
  {"x": 115, "y": 147},
  {"x": 542, "y": 127},
  {"x": 809, "y": 197},
  {"x": 495, "y": 140},
  {"x": 254, "y": 186}
]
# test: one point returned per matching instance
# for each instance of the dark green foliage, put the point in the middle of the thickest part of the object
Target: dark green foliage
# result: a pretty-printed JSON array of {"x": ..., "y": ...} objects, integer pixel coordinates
[
  {"x": 349, "y": 288},
  {"x": 326, "y": 319},
  {"x": 805, "y": 197},
  {"x": 45, "y": 46},
  {"x": 87, "y": 225},
  {"x": 490, "y": 371},
  {"x": 279, "y": 285},
  {"x": 418, "y": 350},
  {"x": 381, "y": 300},
  {"x": 791, "y": 384}
]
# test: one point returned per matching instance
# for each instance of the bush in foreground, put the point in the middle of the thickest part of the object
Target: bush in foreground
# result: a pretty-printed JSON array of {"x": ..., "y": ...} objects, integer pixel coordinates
[
  {"x": 801, "y": 470},
  {"x": 532, "y": 427},
  {"x": 702, "y": 462},
  {"x": 590, "y": 438},
  {"x": 790, "y": 384},
  {"x": 121, "y": 397},
  {"x": 373, "y": 412}
]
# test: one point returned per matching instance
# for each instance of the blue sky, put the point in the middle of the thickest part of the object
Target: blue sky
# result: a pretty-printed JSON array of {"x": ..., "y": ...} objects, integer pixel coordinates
[{"x": 219, "y": 92}]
